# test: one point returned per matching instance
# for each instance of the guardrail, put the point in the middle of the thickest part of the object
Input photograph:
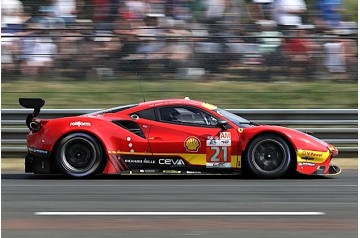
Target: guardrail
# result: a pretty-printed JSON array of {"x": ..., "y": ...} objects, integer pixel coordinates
[{"x": 336, "y": 126}]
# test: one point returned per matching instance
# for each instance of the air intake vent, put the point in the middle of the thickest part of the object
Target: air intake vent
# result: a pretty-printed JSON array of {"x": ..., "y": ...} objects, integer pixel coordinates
[{"x": 130, "y": 126}]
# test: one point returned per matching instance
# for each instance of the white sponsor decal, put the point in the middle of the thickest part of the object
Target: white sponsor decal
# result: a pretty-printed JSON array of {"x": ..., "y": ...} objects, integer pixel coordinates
[
  {"x": 307, "y": 164},
  {"x": 218, "y": 165},
  {"x": 38, "y": 151},
  {"x": 148, "y": 161},
  {"x": 225, "y": 135},
  {"x": 134, "y": 161},
  {"x": 172, "y": 162},
  {"x": 80, "y": 123},
  {"x": 147, "y": 171},
  {"x": 193, "y": 172},
  {"x": 222, "y": 142}
]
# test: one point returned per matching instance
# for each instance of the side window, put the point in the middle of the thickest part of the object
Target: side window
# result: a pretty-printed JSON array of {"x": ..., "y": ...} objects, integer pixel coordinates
[
  {"x": 147, "y": 114},
  {"x": 212, "y": 121},
  {"x": 169, "y": 114},
  {"x": 186, "y": 115}
]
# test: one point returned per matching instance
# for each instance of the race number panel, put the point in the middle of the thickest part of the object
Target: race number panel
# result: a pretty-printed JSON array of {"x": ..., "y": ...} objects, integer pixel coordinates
[{"x": 218, "y": 153}]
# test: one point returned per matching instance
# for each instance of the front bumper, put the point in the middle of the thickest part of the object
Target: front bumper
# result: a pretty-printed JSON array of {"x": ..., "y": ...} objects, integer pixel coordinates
[{"x": 317, "y": 162}]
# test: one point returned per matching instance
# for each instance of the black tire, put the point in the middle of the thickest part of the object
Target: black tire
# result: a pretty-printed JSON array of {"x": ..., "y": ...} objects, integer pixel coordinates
[
  {"x": 79, "y": 155},
  {"x": 268, "y": 156}
]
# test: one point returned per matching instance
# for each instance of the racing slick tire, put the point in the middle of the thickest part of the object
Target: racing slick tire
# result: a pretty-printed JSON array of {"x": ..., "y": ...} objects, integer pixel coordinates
[
  {"x": 79, "y": 155},
  {"x": 268, "y": 156}
]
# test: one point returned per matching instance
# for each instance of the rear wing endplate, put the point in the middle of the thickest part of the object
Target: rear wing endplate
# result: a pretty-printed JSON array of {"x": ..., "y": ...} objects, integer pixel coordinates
[{"x": 35, "y": 103}]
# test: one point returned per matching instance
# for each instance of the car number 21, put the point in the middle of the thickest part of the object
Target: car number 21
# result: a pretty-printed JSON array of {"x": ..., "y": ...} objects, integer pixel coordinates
[{"x": 218, "y": 154}]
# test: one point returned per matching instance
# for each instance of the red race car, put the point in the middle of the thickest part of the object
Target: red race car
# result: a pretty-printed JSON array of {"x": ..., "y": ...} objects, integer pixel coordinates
[{"x": 176, "y": 136}]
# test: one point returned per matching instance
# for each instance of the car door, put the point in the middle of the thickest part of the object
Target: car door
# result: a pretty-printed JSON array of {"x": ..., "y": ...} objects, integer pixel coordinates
[{"x": 188, "y": 137}]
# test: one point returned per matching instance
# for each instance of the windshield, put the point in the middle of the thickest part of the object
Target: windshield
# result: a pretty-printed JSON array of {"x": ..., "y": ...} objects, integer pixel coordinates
[{"x": 232, "y": 117}]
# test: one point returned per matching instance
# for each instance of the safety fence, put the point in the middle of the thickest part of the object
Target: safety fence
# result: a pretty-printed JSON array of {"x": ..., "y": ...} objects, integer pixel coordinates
[{"x": 336, "y": 126}]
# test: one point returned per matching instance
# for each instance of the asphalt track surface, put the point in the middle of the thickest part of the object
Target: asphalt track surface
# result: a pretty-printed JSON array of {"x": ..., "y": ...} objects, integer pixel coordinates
[{"x": 336, "y": 200}]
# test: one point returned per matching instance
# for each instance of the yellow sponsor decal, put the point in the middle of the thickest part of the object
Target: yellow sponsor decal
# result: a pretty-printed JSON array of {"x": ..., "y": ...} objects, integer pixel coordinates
[
  {"x": 235, "y": 161},
  {"x": 193, "y": 159},
  {"x": 200, "y": 159},
  {"x": 192, "y": 144},
  {"x": 312, "y": 156}
]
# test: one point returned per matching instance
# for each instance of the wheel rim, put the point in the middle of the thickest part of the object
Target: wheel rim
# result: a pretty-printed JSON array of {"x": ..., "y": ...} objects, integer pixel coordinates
[
  {"x": 78, "y": 155},
  {"x": 269, "y": 156}
]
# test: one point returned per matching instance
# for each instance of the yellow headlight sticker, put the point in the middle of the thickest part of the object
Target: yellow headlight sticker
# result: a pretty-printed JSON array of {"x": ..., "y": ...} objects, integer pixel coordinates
[
  {"x": 209, "y": 106},
  {"x": 312, "y": 156}
]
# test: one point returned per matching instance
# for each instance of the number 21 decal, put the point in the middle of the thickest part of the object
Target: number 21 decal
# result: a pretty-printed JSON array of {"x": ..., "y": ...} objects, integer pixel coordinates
[{"x": 218, "y": 154}]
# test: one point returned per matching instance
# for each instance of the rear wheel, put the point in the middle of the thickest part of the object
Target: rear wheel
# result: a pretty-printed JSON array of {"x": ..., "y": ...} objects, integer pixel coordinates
[
  {"x": 268, "y": 156},
  {"x": 79, "y": 155}
]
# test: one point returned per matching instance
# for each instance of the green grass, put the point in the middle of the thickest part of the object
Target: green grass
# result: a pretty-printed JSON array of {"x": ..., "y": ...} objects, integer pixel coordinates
[{"x": 227, "y": 94}]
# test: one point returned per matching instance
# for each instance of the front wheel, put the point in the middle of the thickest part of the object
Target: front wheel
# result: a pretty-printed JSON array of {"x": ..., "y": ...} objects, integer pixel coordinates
[
  {"x": 79, "y": 155},
  {"x": 268, "y": 156}
]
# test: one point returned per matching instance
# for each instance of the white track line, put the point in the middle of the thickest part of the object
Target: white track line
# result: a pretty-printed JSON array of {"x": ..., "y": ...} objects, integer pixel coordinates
[
  {"x": 179, "y": 213},
  {"x": 178, "y": 185}
]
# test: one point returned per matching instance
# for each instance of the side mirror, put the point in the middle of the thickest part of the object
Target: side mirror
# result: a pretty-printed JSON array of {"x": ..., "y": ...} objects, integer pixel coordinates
[{"x": 222, "y": 125}]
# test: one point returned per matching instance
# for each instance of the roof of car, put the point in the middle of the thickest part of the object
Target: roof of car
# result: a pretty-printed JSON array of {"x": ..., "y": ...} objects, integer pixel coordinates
[
  {"x": 165, "y": 102},
  {"x": 156, "y": 103}
]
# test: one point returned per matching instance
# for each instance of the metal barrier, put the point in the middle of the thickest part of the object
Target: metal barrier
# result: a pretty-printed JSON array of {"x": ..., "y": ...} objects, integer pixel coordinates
[{"x": 336, "y": 126}]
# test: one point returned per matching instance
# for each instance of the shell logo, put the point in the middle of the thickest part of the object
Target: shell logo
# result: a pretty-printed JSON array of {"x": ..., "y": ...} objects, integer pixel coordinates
[{"x": 192, "y": 144}]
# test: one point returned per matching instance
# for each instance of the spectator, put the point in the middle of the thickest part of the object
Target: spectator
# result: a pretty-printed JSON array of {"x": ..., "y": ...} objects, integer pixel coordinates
[
  {"x": 106, "y": 47},
  {"x": 208, "y": 34},
  {"x": 137, "y": 8},
  {"x": 351, "y": 58},
  {"x": 335, "y": 57},
  {"x": 49, "y": 19},
  {"x": 232, "y": 13},
  {"x": 269, "y": 38},
  {"x": 114, "y": 10},
  {"x": 68, "y": 45},
  {"x": 288, "y": 13},
  {"x": 9, "y": 49},
  {"x": 341, "y": 58},
  {"x": 12, "y": 16},
  {"x": 41, "y": 51},
  {"x": 261, "y": 9},
  {"x": 178, "y": 49},
  {"x": 65, "y": 9},
  {"x": 83, "y": 9},
  {"x": 102, "y": 14},
  {"x": 297, "y": 52},
  {"x": 149, "y": 35},
  {"x": 214, "y": 13},
  {"x": 330, "y": 12},
  {"x": 270, "y": 44},
  {"x": 197, "y": 9}
]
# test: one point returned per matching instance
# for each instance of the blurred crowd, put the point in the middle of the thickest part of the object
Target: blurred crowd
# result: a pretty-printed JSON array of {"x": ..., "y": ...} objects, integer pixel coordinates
[{"x": 250, "y": 39}]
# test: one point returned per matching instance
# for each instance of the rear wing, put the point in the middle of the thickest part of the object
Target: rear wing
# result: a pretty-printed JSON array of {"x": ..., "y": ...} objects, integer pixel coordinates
[{"x": 35, "y": 103}]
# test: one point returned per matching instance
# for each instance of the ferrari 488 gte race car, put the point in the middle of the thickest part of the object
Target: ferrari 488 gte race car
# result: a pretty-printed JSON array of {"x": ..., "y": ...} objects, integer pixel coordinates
[{"x": 175, "y": 136}]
